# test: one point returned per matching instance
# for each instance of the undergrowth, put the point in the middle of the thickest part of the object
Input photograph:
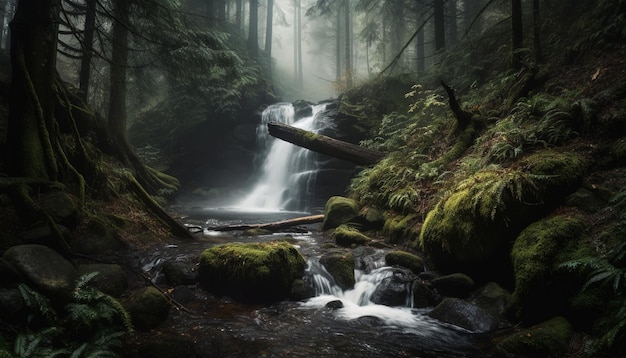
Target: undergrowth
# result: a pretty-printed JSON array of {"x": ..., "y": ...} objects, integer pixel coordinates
[{"x": 93, "y": 324}]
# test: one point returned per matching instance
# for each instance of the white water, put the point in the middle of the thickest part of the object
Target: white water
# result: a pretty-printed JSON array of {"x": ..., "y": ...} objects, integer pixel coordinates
[
  {"x": 356, "y": 302},
  {"x": 288, "y": 172}
]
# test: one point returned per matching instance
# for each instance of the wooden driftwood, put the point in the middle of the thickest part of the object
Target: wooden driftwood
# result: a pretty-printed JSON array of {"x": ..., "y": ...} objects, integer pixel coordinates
[
  {"x": 273, "y": 226},
  {"x": 325, "y": 145}
]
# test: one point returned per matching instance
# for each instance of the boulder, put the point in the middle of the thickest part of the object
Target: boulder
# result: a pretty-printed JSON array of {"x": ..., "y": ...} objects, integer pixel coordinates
[
  {"x": 43, "y": 235},
  {"x": 340, "y": 265},
  {"x": 396, "y": 289},
  {"x": 95, "y": 238},
  {"x": 339, "y": 210},
  {"x": 110, "y": 279},
  {"x": 464, "y": 314},
  {"x": 147, "y": 308},
  {"x": 547, "y": 339},
  {"x": 492, "y": 298},
  {"x": 251, "y": 272},
  {"x": 454, "y": 285},
  {"x": 177, "y": 273},
  {"x": 62, "y": 207},
  {"x": 347, "y": 236},
  {"x": 405, "y": 259},
  {"x": 43, "y": 269}
]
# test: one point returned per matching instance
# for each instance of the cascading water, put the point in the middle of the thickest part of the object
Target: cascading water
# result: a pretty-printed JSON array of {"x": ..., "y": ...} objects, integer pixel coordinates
[{"x": 287, "y": 172}]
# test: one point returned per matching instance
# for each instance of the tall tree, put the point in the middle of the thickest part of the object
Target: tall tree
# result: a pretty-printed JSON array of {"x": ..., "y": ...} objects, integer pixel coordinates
[
  {"x": 517, "y": 34},
  {"x": 347, "y": 43},
  {"x": 87, "y": 47},
  {"x": 471, "y": 18},
  {"x": 253, "y": 26},
  {"x": 238, "y": 22},
  {"x": 269, "y": 28},
  {"x": 452, "y": 22},
  {"x": 440, "y": 26},
  {"x": 31, "y": 113},
  {"x": 537, "y": 32},
  {"x": 119, "y": 63},
  {"x": 297, "y": 45},
  {"x": 419, "y": 43}
]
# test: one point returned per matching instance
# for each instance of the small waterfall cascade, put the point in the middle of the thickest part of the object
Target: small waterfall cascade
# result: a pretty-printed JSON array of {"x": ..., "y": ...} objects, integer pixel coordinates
[
  {"x": 287, "y": 172},
  {"x": 357, "y": 301}
]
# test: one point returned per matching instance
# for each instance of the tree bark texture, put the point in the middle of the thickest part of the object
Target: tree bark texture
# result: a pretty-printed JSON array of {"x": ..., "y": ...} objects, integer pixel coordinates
[
  {"x": 119, "y": 60},
  {"x": 87, "y": 47},
  {"x": 253, "y": 32},
  {"x": 440, "y": 26},
  {"x": 325, "y": 145}
]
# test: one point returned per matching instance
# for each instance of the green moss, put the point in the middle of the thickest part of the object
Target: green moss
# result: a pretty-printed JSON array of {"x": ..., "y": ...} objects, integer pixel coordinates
[
  {"x": 339, "y": 210},
  {"x": 251, "y": 271},
  {"x": 547, "y": 339},
  {"x": 561, "y": 172},
  {"x": 398, "y": 228},
  {"x": 347, "y": 236},
  {"x": 475, "y": 223},
  {"x": 535, "y": 255},
  {"x": 405, "y": 259},
  {"x": 340, "y": 264}
]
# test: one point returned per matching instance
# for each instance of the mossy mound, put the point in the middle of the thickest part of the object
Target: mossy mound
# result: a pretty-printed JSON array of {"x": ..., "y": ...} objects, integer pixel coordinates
[
  {"x": 547, "y": 339},
  {"x": 347, "y": 236},
  {"x": 397, "y": 228},
  {"x": 470, "y": 230},
  {"x": 405, "y": 259},
  {"x": 339, "y": 210},
  {"x": 340, "y": 265},
  {"x": 535, "y": 254},
  {"x": 147, "y": 308},
  {"x": 251, "y": 272}
]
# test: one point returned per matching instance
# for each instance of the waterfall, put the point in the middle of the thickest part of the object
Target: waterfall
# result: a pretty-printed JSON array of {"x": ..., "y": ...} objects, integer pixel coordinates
[
  {"x": 287, "y": 172},
  {"x": 356, "y": 301}
]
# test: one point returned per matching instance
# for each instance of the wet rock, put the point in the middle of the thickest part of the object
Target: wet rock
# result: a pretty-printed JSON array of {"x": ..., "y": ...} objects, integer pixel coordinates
[
  {"x": 44, "y": 269},
  {"x": 454, "y": 285},
  {"x": 492, "y": 298},
  {"x": 177, "y": 273},
  {"x": 372, "y": 218},
  {"x": 183, "y": 294},
  {"x": 8, "y": 272},
  {"x": 394, "y": 290},
  {"x": 147, "y": 308},
  {"x": 339, "y": 210},
  {"x": 95, "y": 238},
  {"x": 367, "y": 258},
  {"x": 370, "y": 321},
  {"x": 302, "y": 289},
  {"x": 110, "y": 279},
  {"x": 547, "y": 339},
  {"x": 405, "y": 259},
  {"x": 335, "y": 304},
  {"x": 423, "y": 296},
  {"x": 340, "y": 265},
  {"x": 251, "y": 272},
  {"x": 302, "y": 109},
  {"x": 464, "y": 314},
  {"x": 347, "y": 236}
]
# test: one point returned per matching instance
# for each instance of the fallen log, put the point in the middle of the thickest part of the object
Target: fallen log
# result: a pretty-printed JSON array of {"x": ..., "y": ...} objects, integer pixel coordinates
[
  {"x": 273, "y": 226},
  {"x": 325, "y": 145}
]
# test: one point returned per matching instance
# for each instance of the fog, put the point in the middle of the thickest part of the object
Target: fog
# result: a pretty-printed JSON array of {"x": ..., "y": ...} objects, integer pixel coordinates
[{"x": 318, "y": 68}]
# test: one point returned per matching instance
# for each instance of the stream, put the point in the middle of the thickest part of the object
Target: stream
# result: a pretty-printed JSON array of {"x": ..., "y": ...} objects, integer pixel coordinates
[
  {"x": 221, "y": 327},
  {"x": 333, "y": 323}
]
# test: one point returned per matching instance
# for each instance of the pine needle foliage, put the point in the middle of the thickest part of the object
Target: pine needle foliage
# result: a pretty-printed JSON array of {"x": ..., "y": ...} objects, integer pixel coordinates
[{"x": 93, "y": 324}]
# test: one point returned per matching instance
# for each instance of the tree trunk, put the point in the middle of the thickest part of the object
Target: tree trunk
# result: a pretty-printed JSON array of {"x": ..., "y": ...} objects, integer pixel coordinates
[
  {"x": 87, "y": 47},
  {"x": 325, "y": 145},
  {"x": 238, "y": 14},
  {"x": 119, "y": 60},
  {"x": 3, "y": 7},
  {"x": 253, "y": 32},
  {"x": 348, "y": 44},
  {"x": 517, "y": 34},
  {"x": 452, "y": 26},
  {"x": 419, "y": 44},
  {"x": 273, "y": 226},
  {"x": 268, "y": 29},
  {"x": 33, "y": 59},
  {"x": 537, "y": 32},
  {"x": 440, "y": 27}
]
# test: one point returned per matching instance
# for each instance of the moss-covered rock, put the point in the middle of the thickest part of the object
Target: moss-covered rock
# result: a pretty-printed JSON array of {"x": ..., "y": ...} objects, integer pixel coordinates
[
  {"x": 398, "y": 228},
  {"x": 347, "y": 236},
  {"x": 474, "y": 225},
  {"x": 493, "y": 298},
  {"x": 251, "y": 272},
  {"x": 339, "y": 210},
  {"x": 548, "y": 339},
  {"x": 147, "y": 308},
  {"x": 535, "y": 256},
  {"x": 454, "y": 285},
  {"x": 95, "y": 237},
  {"x": 340, "y": 265},
  {"x": 405, "y": 259}
]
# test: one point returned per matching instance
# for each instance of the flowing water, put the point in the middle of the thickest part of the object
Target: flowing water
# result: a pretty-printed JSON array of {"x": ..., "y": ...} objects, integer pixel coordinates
[{"x": 333, "y": 323}]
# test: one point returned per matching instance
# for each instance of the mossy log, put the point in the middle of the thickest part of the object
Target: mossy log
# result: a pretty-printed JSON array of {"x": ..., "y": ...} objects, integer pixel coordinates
[
  {"x": 273, "y": 226},
  {"x": 325, "y": 145}
]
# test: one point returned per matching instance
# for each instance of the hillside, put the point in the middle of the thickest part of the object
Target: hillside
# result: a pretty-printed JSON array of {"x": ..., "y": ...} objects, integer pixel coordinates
[{"x": 531, "y": 192}]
